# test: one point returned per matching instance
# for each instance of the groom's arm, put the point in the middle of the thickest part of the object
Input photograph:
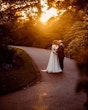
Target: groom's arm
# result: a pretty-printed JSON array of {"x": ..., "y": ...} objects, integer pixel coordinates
[{"x": 61, "y": 50}]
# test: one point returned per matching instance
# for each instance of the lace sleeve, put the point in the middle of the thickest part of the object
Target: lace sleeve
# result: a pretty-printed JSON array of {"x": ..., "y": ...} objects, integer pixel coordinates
[{"x": 54, "y": 49}]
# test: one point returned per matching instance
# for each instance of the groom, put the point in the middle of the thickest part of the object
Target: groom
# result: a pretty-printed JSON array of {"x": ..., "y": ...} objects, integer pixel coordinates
[{"x": 61, "y": 53}]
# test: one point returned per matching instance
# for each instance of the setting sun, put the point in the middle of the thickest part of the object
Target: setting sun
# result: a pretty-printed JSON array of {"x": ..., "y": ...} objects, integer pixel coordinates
[
  {"x": 48, "y": 13},
  {"x": 52, "y": 12}
]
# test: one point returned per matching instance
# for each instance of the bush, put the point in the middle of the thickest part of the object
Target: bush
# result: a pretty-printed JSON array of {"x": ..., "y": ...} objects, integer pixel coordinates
[
  {"x": 78, "y": 39},
  {"x": 6, "y": 55}
]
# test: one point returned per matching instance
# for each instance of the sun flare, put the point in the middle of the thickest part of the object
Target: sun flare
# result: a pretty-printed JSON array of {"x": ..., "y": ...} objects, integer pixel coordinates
[
  {"x": 52, "y": 12},
  {"x": 48, "y": 13}
]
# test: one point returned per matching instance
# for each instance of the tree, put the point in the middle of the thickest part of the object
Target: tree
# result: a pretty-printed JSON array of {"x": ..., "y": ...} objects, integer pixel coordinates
[
  {"x": 76, "y": 38},
  {"x": 6, "y": 54}
]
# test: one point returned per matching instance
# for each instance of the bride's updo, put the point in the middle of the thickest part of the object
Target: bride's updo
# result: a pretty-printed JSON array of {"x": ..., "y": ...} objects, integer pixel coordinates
[{"x": 55, "y": 41}]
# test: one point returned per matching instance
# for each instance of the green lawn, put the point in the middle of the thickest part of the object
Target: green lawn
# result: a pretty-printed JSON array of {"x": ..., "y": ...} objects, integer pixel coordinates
[{"x": 20, "y": 75}]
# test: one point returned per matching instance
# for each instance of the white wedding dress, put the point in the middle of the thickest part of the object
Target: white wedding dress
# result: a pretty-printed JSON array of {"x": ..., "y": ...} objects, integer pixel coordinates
[{"x": 53, "y": 64}]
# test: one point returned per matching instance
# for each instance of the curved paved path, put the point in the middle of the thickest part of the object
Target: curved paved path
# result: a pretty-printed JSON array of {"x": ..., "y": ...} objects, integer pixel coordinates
[{"x": 52, "y": 92}]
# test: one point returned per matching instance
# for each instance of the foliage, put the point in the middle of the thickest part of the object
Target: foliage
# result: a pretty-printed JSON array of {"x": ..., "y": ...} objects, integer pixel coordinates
[
  {"x": 68, "y": 27},
  {"x": 6, "y": 54},
  {"x": 80, "y": 4},
  {"x": 77, "y": 39}
]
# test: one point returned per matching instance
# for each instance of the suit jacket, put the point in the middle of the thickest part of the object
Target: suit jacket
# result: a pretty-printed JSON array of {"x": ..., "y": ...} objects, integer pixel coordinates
[{"x": 61, "y": 50}]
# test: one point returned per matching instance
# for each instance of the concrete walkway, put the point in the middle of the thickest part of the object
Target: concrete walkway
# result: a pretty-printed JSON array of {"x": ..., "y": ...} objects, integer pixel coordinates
[{"x": 51, "y": 92}]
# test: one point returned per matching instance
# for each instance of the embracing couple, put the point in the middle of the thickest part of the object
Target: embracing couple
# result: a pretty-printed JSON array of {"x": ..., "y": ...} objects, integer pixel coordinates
[{"x": 56, "y": 59}]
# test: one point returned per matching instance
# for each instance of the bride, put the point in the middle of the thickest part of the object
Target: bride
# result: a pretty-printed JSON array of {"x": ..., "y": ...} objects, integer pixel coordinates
[{"x": 53, "y": 64}]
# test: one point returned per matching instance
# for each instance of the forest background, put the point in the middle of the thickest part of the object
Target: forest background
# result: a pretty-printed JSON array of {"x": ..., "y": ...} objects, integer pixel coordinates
[{"x": 21, "y": 24}]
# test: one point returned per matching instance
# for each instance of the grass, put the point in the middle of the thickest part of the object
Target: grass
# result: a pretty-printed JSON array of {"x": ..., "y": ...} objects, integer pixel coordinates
[{"x": 20, "y": 75}]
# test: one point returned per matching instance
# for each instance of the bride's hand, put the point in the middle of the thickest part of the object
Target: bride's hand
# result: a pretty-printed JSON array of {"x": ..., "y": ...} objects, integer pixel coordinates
[{"x": 55, "y": 53}]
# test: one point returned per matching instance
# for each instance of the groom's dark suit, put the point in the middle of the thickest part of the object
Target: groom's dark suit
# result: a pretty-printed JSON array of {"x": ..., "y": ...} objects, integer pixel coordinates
[{"x": 61, "y": 55}]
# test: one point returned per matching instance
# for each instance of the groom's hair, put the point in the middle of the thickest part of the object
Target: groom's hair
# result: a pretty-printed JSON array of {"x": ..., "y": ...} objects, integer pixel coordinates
[{"x": 60, "y": 41}]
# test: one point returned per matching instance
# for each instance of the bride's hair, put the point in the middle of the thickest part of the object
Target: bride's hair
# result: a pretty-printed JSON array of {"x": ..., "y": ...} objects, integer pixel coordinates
[{"x": 54, "y": 42}]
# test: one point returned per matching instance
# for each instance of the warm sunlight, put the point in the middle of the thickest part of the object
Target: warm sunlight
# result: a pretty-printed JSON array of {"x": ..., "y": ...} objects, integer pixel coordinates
[
  {"x": 4, "y": 6},
  {"x": 52, "y": 12},
  {"x": 24, "y": 15},
  {"x": 48, "y": 13}
]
